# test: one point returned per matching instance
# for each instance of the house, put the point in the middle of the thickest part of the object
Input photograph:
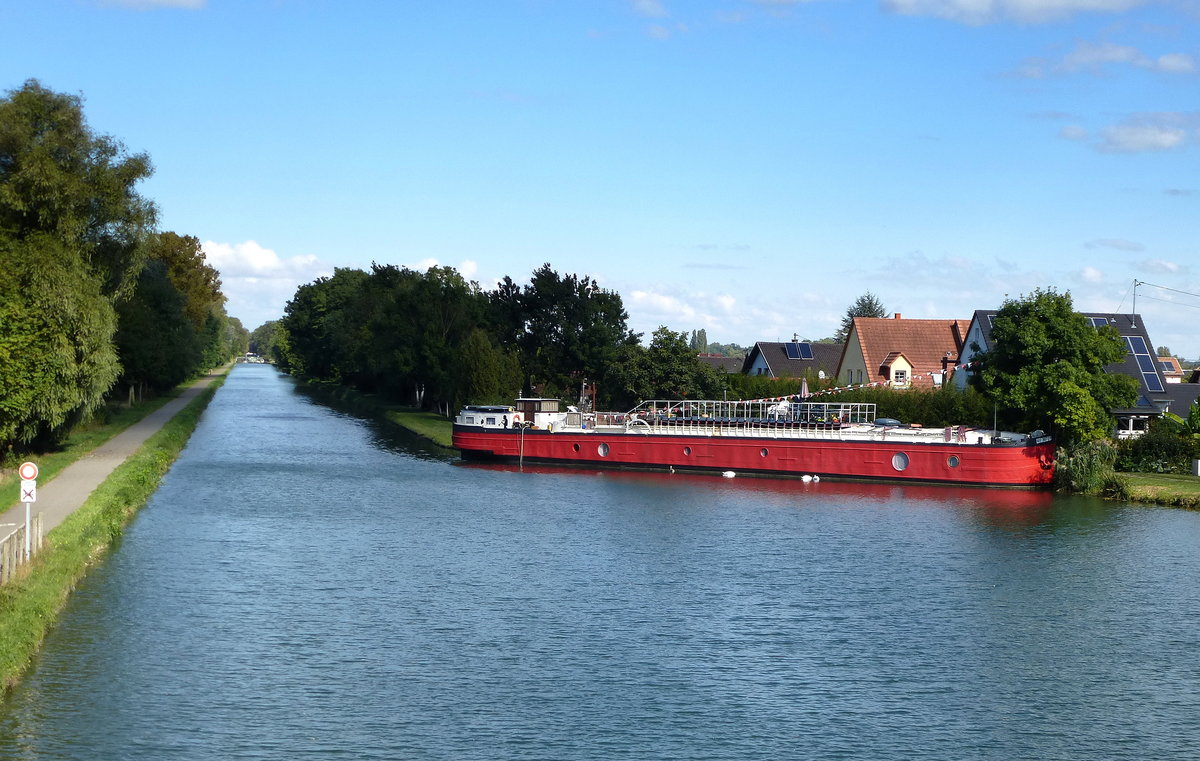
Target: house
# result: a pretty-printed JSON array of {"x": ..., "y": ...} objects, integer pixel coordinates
[
  {"x": 1154, "y": 395},
  {"x": 721, "y": 363},
  {"x": 1171, "y": 369},
  {"x": 792, "y": 359},
  {"x": 899, "y": 352}
]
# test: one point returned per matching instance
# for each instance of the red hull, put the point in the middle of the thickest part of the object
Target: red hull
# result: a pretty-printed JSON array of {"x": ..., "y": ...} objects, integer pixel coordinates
[{"x": 1022, "y": 466}]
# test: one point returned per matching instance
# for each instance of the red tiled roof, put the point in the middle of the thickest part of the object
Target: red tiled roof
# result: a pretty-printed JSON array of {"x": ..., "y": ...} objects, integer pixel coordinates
[{"x": 923, "y": 342}]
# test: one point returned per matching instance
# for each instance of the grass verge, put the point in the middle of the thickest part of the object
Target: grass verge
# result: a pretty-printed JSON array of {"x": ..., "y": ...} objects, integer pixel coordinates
[
  {"x": 427, "y": 424},
  {"x": 113, "y": 419},
  {"x": 30, "y": 605},
  {"x": 1164, "y": 489}
]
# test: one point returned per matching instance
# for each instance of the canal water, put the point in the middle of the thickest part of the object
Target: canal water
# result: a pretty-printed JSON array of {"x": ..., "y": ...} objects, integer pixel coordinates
[{"x": 311, "y": 585}]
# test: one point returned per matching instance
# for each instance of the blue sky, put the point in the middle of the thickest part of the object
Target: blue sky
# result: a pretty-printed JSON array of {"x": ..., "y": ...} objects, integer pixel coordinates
[{"x": 746, "y": 167}]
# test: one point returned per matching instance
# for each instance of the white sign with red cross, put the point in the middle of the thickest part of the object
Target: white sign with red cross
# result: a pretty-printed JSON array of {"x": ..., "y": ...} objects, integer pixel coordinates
[{"x": 28, "y": 472}]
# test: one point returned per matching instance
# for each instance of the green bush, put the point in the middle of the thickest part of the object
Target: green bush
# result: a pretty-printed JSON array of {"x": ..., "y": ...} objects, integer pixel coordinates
[
  {"x": 1087, "y": 468},
  {"x": 1162, "y": 449}
]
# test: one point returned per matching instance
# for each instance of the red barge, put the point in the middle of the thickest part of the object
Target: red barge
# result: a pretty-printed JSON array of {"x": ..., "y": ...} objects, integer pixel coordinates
[{"x": 777, "y": 437}]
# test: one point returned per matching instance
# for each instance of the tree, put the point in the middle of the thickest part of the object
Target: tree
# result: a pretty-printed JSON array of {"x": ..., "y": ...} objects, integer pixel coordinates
[
  {"x": 668, "y": 369},
  {"x": 1045, "y": 368},
  {"x": 866, "y": 305},
  {"x": 156, "y": 341},
  {"x": 699, "y": 342},
  {"x": 59, "y": 179},
  {"x": 57, "y": 358},
  {"x": 265, "y": 339},
  {"x": 1163, "y": 351}
]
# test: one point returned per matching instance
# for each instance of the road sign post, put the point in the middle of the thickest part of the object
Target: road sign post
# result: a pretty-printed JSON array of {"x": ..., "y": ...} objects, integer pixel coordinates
[{"x": 28, "y": 472}]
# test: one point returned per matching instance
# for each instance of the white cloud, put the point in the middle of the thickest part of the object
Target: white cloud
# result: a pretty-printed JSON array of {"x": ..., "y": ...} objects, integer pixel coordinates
[
  {"x": 258, "y": 282},
  {"x": 1073, "y": 132},
  {"x": 1141, "y": 138},
  {"x": 1161, "y": 266},
  {"x": 650, "y": 8},
  {"x": 976, "y": 12},
  {"x": 1176, "y": 63},
  {"x": 1096, "y": 58},
  {"x": 1115, "y": 243},
  {"x": 1091, "y": 275}
]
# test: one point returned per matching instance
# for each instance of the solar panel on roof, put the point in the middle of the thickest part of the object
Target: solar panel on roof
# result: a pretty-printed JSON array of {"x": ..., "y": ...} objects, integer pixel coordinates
[
  {"x": 806, "y": 351},
  {"x": 793, "y": 350},
  {"x": 1099, "y": 322},
  {"x": 1137, "y": 347}
]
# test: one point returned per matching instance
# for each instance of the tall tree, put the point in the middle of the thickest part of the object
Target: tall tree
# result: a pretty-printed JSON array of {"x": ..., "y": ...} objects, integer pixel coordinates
[
  {"x": 866, "y": 305},
  {"x": 668, "y": 369},
  {"x": 57, "y": 358},
  {"x": 71, "y": 232},
  {"x": 1045, "y": 368},
  {"x": 157, "y": 343},
  {"x": 60, "y": 179}
]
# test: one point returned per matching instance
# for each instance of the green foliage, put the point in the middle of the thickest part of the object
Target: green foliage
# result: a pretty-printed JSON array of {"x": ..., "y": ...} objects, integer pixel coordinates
[
  {"x": 932, "y": 408},
  {"x": 567, "y": 328},
  {"x": 157, "y": 342},
  {"x": 1087, "y": 468},
  {"x": 1163, "y": 448},
  {"x": 56, "y": 341},
  {"x": 699, "y": 342},
  {"x": 728, "y": 350},
  {"x": 668, "y": 369},
  {"x": 60, "y": 180},
  {"x": 267, "y": 340},
  {"x": 866, "y": 305},
  {"x": 493, "y": 374},
  {"x": 1046, "y": 369}
]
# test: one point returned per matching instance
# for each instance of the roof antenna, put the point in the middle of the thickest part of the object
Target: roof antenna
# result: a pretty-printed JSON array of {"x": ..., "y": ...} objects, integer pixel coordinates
[{"x": 1133, "y": 313}]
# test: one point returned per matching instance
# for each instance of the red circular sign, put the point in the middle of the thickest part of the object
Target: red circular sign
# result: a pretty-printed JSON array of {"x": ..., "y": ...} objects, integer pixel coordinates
[{"x": 28, "y": 471}]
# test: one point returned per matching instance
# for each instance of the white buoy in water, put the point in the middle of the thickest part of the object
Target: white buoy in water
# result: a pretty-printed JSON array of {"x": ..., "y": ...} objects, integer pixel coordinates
[
  {"x": 728, "y": 474},
  {"x": 816, "y": 479},
  {"x": 806, "y": 478}
]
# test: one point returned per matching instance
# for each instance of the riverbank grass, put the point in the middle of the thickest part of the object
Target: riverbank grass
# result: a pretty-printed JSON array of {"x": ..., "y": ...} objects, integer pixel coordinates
[
  {"x": 427, "y": 424},
  {"x": 1164, "y": 489},
  {"x": 30, "y": 605},
  {"x": 110, "y": 421}
]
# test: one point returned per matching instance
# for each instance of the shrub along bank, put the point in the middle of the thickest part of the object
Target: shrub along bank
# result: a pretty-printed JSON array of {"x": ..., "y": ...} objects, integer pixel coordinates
[{"x": 30, "y": 605}]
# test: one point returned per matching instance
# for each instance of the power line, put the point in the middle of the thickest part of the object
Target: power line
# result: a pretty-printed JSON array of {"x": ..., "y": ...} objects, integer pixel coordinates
[{"x": 1136, "y": 283}]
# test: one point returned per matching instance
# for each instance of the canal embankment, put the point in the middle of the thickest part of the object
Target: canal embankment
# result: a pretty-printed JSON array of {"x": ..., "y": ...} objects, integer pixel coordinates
[
  {"x": 428, "y": 425},
  {"x": 79, "y": 534}
]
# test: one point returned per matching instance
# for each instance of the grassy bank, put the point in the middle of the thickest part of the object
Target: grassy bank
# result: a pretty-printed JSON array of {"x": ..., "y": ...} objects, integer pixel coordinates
[
  {"x": 1164, "y": 489},
  {"x": 113, "y": 419},
  {"x": 427, "y": 424},
  {"x": 29, "y": 606}
]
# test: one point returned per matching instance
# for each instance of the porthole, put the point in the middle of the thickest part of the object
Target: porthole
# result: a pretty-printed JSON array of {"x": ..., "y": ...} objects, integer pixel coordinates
[
  {"x": 952, "y": 461},
  {"x": 687, "y": 451},
  {"x": 575, "y": 447},
  {"x": 602, "y": 450},
  {"x": 763, "y": 452},
  {"x": 900, "y": 461}
]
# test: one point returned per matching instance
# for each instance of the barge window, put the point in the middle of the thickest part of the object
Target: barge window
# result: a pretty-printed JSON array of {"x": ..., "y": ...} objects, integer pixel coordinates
[
  {"x": 602, "y": 450},
  {"x": 952, "y": 461},
  {"x": 575, "y": 447},
  {"x": 900, "y": 461},
  {"x": 763, "y": 452},
  {"x": 687, "y": 451}
]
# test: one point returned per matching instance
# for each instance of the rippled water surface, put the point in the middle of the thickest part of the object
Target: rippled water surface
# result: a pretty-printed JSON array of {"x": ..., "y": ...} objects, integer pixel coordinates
[{"x": 307, "y": 584}]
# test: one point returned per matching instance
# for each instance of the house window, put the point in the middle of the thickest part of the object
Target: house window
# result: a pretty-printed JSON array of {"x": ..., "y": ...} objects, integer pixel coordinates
[
  {"x": 849, "y": 376},
  {"x": 900, "y": 377},
  {"x": 860, "y": 372}
]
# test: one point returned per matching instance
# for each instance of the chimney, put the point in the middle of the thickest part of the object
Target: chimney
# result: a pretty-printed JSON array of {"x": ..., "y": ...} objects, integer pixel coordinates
[{"x": 896, "y": 316}]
